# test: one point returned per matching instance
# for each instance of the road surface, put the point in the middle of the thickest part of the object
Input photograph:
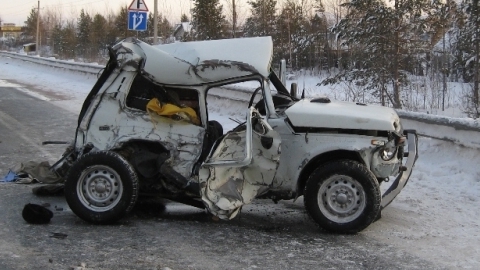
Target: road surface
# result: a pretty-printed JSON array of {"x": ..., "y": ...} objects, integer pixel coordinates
[{"x": 168, "y": 235}]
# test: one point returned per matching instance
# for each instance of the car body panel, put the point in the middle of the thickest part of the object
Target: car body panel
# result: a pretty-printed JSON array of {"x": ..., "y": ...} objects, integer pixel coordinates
[
  {"x": 113, "y": 124},
  {"x": 301, "y": 148},
  {"x": 225, "y": 187},
  {"x": 229, "y": 171},
  {"x": 342, "y": 115},
  {"x": 207, "y": 61}
]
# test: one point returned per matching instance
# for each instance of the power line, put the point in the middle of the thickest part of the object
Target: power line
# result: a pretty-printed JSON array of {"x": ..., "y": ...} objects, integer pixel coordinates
[
  {"x": 18, "y": 5},
  {"x": 20, "y": 10},
  {"x": 70, "y": 4}
]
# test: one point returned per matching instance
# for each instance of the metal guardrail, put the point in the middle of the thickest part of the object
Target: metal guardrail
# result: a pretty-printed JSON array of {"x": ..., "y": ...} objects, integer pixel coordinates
[
  {"x": 457, "y": 130},
  {"x": 68, "y": 65},
  {"x": 461, "y": 131}
]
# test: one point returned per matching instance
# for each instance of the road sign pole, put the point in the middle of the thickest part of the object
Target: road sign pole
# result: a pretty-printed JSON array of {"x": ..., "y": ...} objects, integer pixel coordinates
[
  {"x": 155, "y": 22},
  {"x": 37, "y": 44}
]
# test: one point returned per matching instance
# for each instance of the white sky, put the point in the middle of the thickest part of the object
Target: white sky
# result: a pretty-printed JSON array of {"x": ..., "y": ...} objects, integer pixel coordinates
[{"x": 17, "y": 11}]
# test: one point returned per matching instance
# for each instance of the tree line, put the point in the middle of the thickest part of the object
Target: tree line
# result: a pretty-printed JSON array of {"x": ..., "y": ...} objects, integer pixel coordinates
[
  {"x": 87, "y": 36},
  {"x": 387, "y": 50}
]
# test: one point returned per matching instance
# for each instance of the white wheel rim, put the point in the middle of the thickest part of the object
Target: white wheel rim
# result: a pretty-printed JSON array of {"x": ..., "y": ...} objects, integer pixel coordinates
[
  {"x": 341, "y": 199},
  {"x": 99, "y": 188}
]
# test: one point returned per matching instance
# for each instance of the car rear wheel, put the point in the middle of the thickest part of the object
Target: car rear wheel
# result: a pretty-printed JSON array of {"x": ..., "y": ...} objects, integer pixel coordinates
[
  {"x": 342, "y": 196},
  {"x": 101, "y": 187}
]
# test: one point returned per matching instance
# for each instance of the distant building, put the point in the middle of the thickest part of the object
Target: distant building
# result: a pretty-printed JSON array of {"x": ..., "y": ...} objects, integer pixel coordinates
[
  {"x": 181, "y": 30},
  {"x": 10, "y": 31},
  {"x": 30, "y": 47}
]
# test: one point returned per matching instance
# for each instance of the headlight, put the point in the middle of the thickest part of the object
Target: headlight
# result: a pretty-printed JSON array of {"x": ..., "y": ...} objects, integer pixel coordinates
[{"x": 388, "y": 151}]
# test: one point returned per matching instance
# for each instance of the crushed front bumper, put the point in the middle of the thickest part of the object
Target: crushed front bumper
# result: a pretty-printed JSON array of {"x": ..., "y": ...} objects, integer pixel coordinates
[{"x": 404, "y": 175}]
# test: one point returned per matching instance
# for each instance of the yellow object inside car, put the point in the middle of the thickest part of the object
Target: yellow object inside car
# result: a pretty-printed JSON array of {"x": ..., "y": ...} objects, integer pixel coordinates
[{"x": 172, "y": 111}]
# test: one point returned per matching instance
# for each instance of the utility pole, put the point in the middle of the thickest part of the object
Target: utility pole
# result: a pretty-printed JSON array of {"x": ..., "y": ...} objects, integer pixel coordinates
[
  {"x": 155, "y": 22},
  {"x": 476, "y": 64},
  {"x": 3, "y": 41},
  {"x": 476, "y": 77},
  {"x": 396, "y": 56},
  {"x": 289, "y": 39},
  {"x": 234, "y": 23},
  {"x": 444, "y": 77},
  {"x": 37, "y": 44}
]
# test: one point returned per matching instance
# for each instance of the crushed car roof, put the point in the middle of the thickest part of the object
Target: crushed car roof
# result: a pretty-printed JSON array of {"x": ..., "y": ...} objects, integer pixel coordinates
[{"x": 199, "y": 62}]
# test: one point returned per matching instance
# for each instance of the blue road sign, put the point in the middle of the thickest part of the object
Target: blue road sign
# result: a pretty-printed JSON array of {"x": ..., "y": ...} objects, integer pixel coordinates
[{"x": 137, "y": 20}]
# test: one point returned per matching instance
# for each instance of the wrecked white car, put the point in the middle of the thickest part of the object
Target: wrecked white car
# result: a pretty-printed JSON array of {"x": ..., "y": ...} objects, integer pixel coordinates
[{"x": 144, "y": 129}]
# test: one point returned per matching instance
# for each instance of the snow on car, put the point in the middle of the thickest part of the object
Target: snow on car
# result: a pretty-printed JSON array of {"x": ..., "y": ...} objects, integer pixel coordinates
[{"x": 144, "y": 129}]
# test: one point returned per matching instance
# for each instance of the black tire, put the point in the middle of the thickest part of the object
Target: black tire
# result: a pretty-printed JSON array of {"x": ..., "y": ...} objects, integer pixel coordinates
[
  {"x": 113, "y": 188},
  {"x": 342, "y": 197}
]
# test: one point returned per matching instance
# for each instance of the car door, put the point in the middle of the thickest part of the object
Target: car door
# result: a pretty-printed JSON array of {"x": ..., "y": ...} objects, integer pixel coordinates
[{"x": 240, "y": 167}]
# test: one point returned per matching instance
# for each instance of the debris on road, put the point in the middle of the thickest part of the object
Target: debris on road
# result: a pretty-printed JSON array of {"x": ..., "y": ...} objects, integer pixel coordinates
[{"x": 36, "y": 214}]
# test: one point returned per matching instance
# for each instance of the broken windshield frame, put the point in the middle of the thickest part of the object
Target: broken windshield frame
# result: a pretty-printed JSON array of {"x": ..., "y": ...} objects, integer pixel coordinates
[{"x": 281, "y": 89}]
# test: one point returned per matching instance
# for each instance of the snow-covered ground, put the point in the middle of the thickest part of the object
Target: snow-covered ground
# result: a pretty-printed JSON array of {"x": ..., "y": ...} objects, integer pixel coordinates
[{"x": 435, "y": 217}]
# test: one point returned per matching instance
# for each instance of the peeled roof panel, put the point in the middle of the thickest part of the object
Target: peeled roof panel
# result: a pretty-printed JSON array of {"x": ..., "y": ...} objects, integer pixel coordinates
[{"x": 198, "y": 62}]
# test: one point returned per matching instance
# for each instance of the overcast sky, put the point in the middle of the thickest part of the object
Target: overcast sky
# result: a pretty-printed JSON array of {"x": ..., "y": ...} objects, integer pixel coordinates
[{"x": 17, "y": 11}]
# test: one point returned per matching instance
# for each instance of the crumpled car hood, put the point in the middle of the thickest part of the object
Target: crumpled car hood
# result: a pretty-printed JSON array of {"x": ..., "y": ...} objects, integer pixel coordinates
[{"x": 342, "y": 115}]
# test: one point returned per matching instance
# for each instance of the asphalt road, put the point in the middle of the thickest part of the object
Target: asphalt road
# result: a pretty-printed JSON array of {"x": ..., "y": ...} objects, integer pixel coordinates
[{"x": 159, "y": 235}]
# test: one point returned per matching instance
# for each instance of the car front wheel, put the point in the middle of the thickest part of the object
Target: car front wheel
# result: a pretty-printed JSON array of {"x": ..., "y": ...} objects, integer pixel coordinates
[
  {"x": 342, "y": 196},
  {"x": 101, "y": 187}
]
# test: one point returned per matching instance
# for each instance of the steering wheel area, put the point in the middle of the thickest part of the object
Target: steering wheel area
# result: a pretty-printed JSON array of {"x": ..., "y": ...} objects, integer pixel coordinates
[{"x": 253, "y": 96}]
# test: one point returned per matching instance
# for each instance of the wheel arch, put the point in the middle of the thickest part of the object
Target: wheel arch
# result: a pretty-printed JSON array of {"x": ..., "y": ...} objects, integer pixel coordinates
[
  {"x": 133, "y": 150},
  {"x": 323, "y": 159},
  {"x": 126, "y": 148}
]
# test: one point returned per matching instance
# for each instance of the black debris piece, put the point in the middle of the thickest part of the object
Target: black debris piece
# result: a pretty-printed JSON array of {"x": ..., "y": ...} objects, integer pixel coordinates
[
  {"x": 36, "y": 214},
  {"x": 58, "y": 235}
]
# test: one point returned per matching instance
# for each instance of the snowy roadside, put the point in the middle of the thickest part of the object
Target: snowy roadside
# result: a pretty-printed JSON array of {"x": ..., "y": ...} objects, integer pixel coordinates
[{"x": 435, "y": 217}]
